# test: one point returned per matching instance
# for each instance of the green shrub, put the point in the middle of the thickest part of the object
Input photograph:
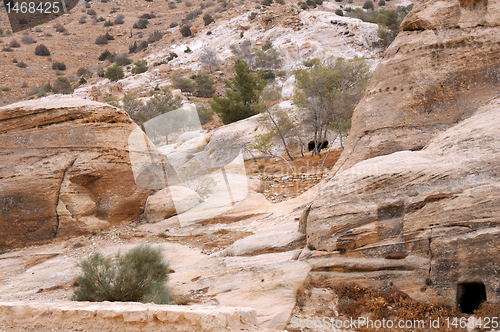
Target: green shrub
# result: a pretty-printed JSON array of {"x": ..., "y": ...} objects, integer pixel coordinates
[
  {"x": 139, "y": 276},
  {"x": 42, "y": 50},
  {"x": 368, "y": 5},
  {"x": 172, "y": 5},
  {"x": 185, "y": 30},
  {"x": 106, "y": 55},
  {"x": 21, "y": 64},
  {"x": 62, "y": 85},
  {"x": 381, "y": 3},
  {"x": 58, "y": 66},
  {"x": 140, "y": 66},
  {"x": 182, "y": 83},
  {"x": 5, "y": 89},
  {"x": 148, "y": 16},
  {"x": 114, "y": 72},
  {"x": 339, "y": 12}
]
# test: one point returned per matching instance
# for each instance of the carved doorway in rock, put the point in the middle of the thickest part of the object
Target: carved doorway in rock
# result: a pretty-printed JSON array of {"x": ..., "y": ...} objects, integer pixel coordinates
[{"x": 470, "y": 295}]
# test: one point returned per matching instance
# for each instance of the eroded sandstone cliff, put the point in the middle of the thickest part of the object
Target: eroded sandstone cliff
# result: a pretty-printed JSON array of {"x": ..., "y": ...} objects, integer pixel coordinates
[{"x": 64, "y": 170}]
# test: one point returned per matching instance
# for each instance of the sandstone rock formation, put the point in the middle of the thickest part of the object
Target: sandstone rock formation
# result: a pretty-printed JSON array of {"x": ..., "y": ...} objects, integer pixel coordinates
[
  {"x": 64, "y": 170},
  {"x": 443, "y": 65},
  {"x": 162, "y": 206},
  {"x": 426, "y": 222}
]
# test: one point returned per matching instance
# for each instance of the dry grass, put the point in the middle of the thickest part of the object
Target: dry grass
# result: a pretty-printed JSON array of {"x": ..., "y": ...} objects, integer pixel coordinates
[{"x": 356, "y": 301}]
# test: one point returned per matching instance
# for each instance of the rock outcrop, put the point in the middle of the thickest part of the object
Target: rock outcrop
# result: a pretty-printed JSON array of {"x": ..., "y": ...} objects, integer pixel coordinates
[
  {"x": 64, "y": 170},
  {"x": 426, "y": 222},
  {"x": 443, "y": 65}
]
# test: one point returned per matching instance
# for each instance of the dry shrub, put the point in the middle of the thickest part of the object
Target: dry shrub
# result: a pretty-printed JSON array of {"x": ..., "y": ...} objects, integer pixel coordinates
[
  {"x": 487, "y": 309},
  {"x": 355, "y": 301}
]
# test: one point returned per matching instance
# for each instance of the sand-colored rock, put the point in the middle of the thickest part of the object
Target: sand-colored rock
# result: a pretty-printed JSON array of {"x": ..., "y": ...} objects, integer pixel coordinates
[
  {"x": 161, "y": 205},
  {"x": 125, "y": 316},
  {"x": 435, "y": 210},
  {"x": 64, "y": 170},
  {"x": 442, "y": 66}
]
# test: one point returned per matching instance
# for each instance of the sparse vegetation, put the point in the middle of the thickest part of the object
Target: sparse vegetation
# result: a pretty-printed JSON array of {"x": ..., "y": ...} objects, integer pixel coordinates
[
  {"x": 139, "y": 276},
  {"x": 208, "y": 19},
  {"x": 240, "y": 94},
  {"x": 62, "y": 85},
  {"x": 114, "y": 72},
  {"x": 368, "y": 5},
  {"x": 122, "y": 60},
  {"x": 142, "y": 23},
  {"x": 84, "y": 72},
  {"x": 328, "y": 93},
  {"x": 185, "y": 30},
  {"x": 209, "y": 59},
  {"x": 204, "y": 85},
  {"x": 58, "y": 65},
  {"x": 14, "y": 43},
  {"x": 101, "y": 40},
  {"x": 140, "y": 66},
  {"x": 42, "y": 50},
  {"x": 28, "y": 40},
  {"x": 155, "y": 36},
  {"x": 119, "y": 19}
]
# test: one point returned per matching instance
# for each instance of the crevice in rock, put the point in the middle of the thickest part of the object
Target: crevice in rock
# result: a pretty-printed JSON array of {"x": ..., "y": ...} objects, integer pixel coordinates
[
  {"x": 59, "y": 193},
  {"x": 432, "y": 256}
]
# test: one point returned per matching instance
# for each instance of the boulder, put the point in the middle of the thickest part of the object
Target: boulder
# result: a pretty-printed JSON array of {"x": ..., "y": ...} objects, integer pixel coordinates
[
  {"x": 443, "y": 65},
  {"x": 424, "y": 221},
  {"x": 161, "y": 205},
  {"x": 64, "y": 170}
]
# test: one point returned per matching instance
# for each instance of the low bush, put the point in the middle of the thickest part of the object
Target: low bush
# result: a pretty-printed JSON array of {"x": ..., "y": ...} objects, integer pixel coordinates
[
  {"x": 14, "y": 43},
  {"x": 142, "y": 23},
  {"x": 108, "y": 23},
  {"x": 140, "y": 66},
  {"x": 148, "y": 16},
  {"x": 108, "y": 36},
  {"x": 58, "y": 66},
  {"x": 185, "y": 30},
  {"x": 28, "y": 40},
  {"x": 59, "y": 27},
  {"x": 208, "y": 19},
  {"x": 21, "y": 64},
  {"x": 101, "y": 40},
  {"x": 381, "y": 3},
  {"x": 172, "y": 5},
  {"x": 42, "y": 50},
  {"x": 339, "y": 12},
  {"x": 155, "y": 36},
  {"x": 119, "y": 19},
  {"x": 84, "y": 72},
  {"x": 62, "y": 85},
  {"x": 368, "y": 5},
  {"x": 114, "y": 72},
  {"x": 138, "y": 276},
  {"x": 122, "y": 60},
  {"x": 91, "y": 12},
  {"x": 173, "y": 24}
]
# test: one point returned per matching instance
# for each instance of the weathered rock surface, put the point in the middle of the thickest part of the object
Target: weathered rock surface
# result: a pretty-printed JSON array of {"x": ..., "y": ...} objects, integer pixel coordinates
[
  {"x": 64, "y": 170},
  {"x": 126, "y": 316},
  {"x": 162, "y": 206},
  {"x": 423, "y": 221},
  {"x": 443, "y": 65}
]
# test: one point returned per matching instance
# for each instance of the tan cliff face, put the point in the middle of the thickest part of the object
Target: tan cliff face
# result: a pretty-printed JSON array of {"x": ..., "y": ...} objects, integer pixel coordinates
[
  {"x": 418, "y": 180},
  {"x": 64, "y": 170},
  {"x": 443, "y": 65}
]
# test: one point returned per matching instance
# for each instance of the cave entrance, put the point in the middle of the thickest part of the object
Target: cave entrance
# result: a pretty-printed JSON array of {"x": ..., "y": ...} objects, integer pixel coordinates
[{"x": 470, "y": 295}]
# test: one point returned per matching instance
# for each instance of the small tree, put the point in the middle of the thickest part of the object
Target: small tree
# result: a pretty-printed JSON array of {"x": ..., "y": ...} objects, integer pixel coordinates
[
  {"x": 62, "y": 85},
  {"x": 114, "y": 72},
  {"x": 42, "y": 50},
  {"x": 328, "y": 92},
  {"x": 209, "y": 59},
  {"x": 134, "y": 107},
  {"x": 185, "y": 30},
  {"x": 140, "y": 66},
  {"x": 240, "y": 94}
]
